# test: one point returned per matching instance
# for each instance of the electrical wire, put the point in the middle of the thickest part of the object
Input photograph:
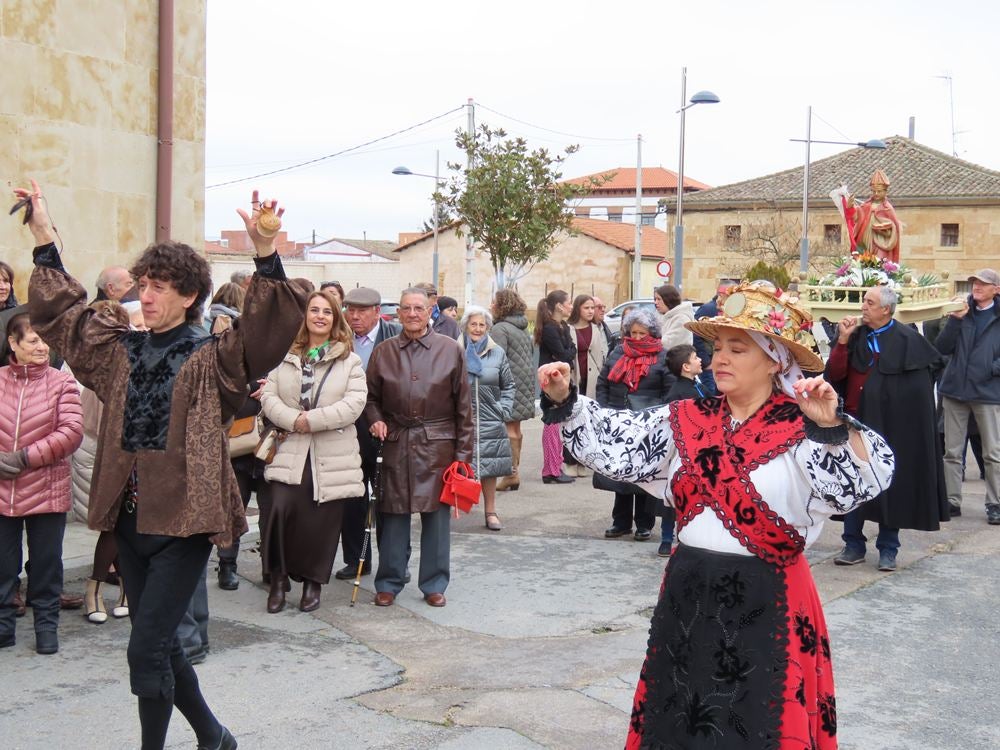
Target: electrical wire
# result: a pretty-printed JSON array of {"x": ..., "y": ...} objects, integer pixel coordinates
[
  {"x": 337, "y": 153},
  {"x": 550, "y": 130}
]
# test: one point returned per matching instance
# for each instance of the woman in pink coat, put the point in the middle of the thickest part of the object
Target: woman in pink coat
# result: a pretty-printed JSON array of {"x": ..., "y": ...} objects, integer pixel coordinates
[{"x": 41, "y": 424}]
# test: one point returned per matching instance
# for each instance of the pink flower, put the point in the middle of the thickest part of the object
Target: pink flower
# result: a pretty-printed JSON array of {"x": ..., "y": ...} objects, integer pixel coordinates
[
  {"x": 889, "y": 267},
  {"x": 842, "y": 271},
  {"x": 777, "y": 320}
]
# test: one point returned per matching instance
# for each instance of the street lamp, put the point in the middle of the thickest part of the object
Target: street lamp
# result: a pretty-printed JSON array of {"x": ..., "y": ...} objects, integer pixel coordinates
[
  {"x": 438, "y": 182},
  {"x": 702, "y": 97},
  {"x": 804, "y": 241}
]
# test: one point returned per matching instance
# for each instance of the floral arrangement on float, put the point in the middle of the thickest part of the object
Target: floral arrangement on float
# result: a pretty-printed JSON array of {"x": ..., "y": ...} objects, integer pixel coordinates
[{"x": 864, "y": 270}]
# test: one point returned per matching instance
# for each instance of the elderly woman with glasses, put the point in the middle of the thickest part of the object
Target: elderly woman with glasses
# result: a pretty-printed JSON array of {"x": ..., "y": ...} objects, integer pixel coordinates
[
  {"x": 635, "y": 377},
  {"x": 738, "y": 653},
  {"x": 492, "y": 386}
]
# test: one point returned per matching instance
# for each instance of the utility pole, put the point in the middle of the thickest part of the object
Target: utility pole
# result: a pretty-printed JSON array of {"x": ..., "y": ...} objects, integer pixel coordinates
[
  {"x": 804, "y": 240},
  {"x": 469, "y": 253},
  {"x": 637, "y": 257}
]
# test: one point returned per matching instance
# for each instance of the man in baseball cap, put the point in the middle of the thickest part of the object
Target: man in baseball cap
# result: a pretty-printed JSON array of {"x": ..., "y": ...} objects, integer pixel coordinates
[
  {"x": 971, "y": 385},
  {"x": 362, "y": 312}
]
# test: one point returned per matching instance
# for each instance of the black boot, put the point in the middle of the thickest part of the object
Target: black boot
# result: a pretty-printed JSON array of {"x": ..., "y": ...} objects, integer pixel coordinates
[{"x": 228, "y": 580}]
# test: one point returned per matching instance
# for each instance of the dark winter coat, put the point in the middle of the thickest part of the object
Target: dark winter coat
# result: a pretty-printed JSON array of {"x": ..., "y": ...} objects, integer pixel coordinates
[
  {"x": 973, "y": 373},
  {"x": 683, "y": 388},
  {"x": 651, "y": 391},
  {"x": 420, "y": 389},
  {"x": 446, "y": 326},
  {"x": 556, "y": 345},
  {"x": 492, "y": 400},
  {"x": 511, "y": 335},
  {"x": 897, "y": 401}
]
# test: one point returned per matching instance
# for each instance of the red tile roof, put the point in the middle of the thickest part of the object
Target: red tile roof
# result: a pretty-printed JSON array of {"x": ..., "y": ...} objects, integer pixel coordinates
[
  {"x": 654, "y": 180},
  {"x": 621, "y": 235},
  {"x": 616, "y": 234}
]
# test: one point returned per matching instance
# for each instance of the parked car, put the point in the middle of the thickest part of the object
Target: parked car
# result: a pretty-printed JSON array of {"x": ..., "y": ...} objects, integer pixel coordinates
[
  {"x": 614, "y": 316},
  {"x": 389, "y": 311}
]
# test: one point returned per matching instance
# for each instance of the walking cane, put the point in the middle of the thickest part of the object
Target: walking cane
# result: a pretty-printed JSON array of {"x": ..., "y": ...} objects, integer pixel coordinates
[{"x": 369, "y": 521}]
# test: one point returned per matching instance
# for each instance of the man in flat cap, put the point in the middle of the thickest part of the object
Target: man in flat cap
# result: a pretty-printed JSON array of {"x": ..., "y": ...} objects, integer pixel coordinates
[
  {"x": 971, "y": 385},
  {"x": 363, "y": 315}
]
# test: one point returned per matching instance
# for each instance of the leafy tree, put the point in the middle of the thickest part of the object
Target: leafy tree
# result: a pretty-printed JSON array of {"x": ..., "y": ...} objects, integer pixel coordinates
[{"x": 510, "y": 199}]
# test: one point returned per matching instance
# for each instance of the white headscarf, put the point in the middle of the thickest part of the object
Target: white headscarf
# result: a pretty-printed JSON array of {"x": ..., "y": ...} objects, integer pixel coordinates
[{"x": 790, "y": 370}]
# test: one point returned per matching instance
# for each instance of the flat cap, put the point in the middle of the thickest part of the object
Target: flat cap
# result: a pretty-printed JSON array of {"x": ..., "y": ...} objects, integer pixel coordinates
[
  {"x": 362, "y": 297},
  {"x": 987, "y": 276}
]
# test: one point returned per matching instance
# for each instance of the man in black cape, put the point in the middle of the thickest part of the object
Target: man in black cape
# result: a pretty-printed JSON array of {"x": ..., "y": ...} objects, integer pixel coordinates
[{"x": 884, "y": 370}]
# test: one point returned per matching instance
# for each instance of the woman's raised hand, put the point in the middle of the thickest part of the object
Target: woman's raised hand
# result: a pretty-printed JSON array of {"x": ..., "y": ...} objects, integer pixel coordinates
[
  {"x": 554, "y": 380},
  {"x": 818, "y": 400},
  {"x": 39, "y": 222}
]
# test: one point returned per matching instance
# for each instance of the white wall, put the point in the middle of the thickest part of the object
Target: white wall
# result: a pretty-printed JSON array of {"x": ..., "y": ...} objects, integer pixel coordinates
[{"x": 386, "y": 278}]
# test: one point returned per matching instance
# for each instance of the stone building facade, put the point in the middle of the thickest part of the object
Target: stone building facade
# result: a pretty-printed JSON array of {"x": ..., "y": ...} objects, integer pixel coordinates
[
  {"x": 78, "y": 112},
  {"x": 949, "y": 210}
]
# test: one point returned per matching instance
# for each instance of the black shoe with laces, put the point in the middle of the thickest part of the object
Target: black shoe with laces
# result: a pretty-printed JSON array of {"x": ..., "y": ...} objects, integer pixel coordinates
[
  {"x": 228, "y": 580},
  {"x": 954, "y": 510},
  {"x": 616, "y": 531},
  {"x": 348, "y": 572},
  {"x": 993, "y": 515}
]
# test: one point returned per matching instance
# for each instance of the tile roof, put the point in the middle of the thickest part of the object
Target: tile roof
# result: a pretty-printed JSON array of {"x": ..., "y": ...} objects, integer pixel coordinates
[
  {"x": 290, "y": 250},
  {"x": 614, "y": 233},
  {"x": 916, "y": 172},
  {"x": 622, "y": 235},
  {"x": 654, "y": 179},
  {"x": 382, "y": 248}
]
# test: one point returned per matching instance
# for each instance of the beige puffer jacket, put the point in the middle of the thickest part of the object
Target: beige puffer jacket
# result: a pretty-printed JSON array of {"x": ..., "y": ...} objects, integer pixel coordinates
[{"x": 332, "y": 444}]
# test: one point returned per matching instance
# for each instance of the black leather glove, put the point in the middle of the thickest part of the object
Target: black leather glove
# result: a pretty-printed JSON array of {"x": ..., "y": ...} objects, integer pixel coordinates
[{"x": 12, "y": 464}]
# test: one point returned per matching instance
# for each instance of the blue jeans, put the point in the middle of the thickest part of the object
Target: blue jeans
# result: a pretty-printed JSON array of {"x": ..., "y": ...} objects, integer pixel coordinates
[
  {"x": 667, "y": 526},
  {"x": 854, "y": 537}
]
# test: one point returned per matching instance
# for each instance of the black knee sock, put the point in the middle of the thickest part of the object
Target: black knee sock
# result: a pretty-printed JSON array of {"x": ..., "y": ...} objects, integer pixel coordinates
[
  {"x": 154, "y": 717},
  {"x": 191, "y": 703}
]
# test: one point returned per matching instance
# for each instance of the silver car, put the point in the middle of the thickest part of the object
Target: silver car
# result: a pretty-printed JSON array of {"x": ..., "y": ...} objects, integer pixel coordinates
[{"x": 614, "y": 316}]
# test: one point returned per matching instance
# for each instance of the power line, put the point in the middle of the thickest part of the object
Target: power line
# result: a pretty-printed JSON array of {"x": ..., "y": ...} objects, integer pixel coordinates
[
  {"x": 337, "y": 153},
  {"x": 550, "y": 130}
]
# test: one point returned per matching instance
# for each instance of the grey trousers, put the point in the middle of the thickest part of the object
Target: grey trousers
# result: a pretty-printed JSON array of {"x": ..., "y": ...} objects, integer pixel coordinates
[
  {"x": 956, "y": 421},
  {"x": 435, "y": 551}
]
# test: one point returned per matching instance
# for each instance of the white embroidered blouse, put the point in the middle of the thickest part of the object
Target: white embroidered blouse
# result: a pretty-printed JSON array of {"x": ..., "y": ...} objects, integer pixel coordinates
[{"x": 804, "y": 485}]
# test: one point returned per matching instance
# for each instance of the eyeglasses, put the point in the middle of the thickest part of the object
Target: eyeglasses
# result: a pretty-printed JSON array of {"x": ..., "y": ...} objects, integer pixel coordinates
[{"x": 405, "y": 309}]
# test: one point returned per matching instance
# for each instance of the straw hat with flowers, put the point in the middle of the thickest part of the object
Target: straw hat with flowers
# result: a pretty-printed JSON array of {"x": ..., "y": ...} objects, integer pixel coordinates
[{"x": 756, "y": 306}]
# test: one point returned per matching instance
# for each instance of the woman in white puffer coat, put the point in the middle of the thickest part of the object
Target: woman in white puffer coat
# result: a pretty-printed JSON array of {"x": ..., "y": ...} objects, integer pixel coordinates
[{"x": 315, "y": 395}]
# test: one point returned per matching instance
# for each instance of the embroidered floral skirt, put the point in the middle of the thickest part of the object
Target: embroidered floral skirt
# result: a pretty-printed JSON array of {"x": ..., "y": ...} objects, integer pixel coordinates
[{"x": 738, "y": 657}]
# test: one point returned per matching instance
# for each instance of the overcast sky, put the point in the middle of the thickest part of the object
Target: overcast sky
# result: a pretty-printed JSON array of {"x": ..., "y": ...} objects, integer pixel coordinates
[{"x": 300, "y": 79}]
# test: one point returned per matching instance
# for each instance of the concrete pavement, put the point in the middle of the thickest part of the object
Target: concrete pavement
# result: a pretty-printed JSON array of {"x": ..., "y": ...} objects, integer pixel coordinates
[{"x": 539, "y": 646}]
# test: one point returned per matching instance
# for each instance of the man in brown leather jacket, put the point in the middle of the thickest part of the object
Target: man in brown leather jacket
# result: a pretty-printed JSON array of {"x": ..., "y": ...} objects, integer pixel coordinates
[{"x": 418, "y": 403}]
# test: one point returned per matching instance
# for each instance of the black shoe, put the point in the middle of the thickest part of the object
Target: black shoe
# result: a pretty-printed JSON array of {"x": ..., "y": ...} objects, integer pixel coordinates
[
  {"x": 849, "y": 557},
  {"x": 561, "y": 479},
  {"x": 227, "y": 742},
  {"x": 616, "y": 531},
  {"x": 954, "y": 510},
  {"x": 993, "y": 515},
  {"x": 6, "y": 641},
  {"x": 228, "y": 580},
  {"x": 348, "y": 572},
  {"x": 407, "y": 577},
  {"x": 886, "y": 562},
  {"x": 642, "y": 535},
  {"x": 47, "y": 642}
]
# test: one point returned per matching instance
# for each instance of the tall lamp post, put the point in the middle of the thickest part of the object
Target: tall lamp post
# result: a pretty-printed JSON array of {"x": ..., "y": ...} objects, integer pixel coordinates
[
  {"x": 702, "y": 97},
  {"x": 437, "y": 206},
  {"x": 804, "y": 241}
]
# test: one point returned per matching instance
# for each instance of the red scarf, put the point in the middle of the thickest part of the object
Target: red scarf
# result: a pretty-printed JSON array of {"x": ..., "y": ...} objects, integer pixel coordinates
[
  {"x": 716, "y": 461},
  {"x": 637, "y": 357}
]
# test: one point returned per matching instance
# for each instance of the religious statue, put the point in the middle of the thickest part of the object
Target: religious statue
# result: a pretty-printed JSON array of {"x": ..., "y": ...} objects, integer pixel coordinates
[{"x": 873, "y": 226}]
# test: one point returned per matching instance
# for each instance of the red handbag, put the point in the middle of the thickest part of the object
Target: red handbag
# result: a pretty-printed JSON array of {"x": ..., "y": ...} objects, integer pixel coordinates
[{"x": 461, "y": 490}]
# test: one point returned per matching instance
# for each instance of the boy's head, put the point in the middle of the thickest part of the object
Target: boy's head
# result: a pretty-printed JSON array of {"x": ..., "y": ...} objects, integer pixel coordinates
[{"x": 683, "y": 361}]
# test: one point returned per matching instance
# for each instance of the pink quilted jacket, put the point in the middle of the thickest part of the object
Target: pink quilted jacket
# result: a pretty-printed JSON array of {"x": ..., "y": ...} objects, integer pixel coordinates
[{"x": 39, "y": 411}]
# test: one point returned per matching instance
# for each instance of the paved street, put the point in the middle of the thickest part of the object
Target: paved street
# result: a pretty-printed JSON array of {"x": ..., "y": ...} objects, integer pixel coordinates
[{"x": 539, "y": 646}]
